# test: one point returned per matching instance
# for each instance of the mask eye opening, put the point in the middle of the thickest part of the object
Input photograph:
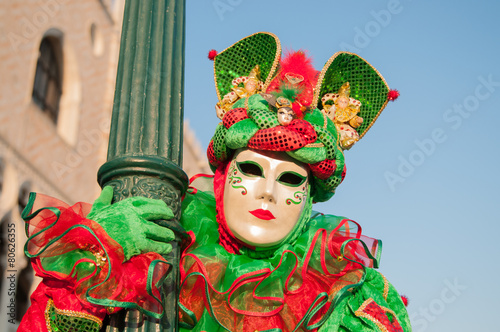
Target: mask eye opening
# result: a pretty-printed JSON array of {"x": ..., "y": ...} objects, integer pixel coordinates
[
  {"x": 249, "y": 168},
  {"x": 291, "y": 179}
]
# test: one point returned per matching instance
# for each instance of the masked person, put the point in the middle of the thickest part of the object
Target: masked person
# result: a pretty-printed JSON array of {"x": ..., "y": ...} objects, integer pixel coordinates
[{"x": 258, "y": 258}]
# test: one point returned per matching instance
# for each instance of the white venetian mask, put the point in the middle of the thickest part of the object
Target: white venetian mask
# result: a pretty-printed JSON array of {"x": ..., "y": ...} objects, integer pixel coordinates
[{"x": 264, "y": 195}]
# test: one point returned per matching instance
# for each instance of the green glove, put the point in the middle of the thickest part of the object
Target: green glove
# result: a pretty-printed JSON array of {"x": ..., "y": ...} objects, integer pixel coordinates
[{"x": 130, "y": 223}]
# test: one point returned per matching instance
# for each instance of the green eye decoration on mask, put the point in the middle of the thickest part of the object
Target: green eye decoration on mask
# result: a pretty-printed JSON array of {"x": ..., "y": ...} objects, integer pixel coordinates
[
  {"x": 291, "y": 179},
  {"x": 298, "y": 195},
  {"x": 250, "y": 168},
  {"x": 234, "y": 180}
]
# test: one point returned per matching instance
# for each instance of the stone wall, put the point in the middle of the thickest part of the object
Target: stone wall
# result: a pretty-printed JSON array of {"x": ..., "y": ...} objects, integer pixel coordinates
[{"x": 59, "y": 159}]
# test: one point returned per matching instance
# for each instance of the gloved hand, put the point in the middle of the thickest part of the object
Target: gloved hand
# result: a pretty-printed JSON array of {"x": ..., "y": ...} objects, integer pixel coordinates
[{"x": 130, "y": 223}]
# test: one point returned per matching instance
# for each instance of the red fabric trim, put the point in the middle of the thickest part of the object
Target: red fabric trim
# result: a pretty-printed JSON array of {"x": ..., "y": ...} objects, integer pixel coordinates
[
  {"x": 191, "y": 241},
  {"x": 296, "y": 301},
  {"x": 63, "y": 293},
  {"x": 227, "y": 238},
  {"x": 379, "y": 316},
  {"x": 127, "y": 282},
  {"x": 233, "y": 116},
  {"x": 200, "y": 175}
]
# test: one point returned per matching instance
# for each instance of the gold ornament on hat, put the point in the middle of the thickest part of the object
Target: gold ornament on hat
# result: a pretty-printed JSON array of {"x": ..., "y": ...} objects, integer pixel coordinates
[
  {"x": 343, "y": 113},
  {"x": 254, "y": 74},
  {"x": 251, "y": 85},
  {"x": 345, "y": 90}
]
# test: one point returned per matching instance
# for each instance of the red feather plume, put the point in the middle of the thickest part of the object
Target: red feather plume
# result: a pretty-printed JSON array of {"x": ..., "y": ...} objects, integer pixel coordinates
[
  {"x": 212, "y": 54},
  {"x": 405, "y": 300},
  {"x": 393, "y": 95},
  {"x": 297, "y": 64}
]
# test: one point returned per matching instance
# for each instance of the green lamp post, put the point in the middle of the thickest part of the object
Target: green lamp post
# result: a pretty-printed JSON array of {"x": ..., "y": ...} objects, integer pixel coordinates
[{"x": 145, "y": 143}]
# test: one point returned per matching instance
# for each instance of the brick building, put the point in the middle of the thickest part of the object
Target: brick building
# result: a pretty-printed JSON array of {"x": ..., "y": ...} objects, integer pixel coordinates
[{"x": 58, "y": 61}]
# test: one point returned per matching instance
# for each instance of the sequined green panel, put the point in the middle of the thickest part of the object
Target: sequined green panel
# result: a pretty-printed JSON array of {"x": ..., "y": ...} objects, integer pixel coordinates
[
  {"x": 65, "y": 323},
  {"x": 328, "y": 140},
  {"x": 220, "y": 148},
  {"x": 367, "y": 86},
  {"x": 264, "y": 118},
  {"x": 261, "y": 49}
]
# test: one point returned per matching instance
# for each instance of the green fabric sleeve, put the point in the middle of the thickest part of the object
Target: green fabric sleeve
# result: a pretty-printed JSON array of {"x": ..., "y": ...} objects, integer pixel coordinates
[{"x": 350, "y": 316}]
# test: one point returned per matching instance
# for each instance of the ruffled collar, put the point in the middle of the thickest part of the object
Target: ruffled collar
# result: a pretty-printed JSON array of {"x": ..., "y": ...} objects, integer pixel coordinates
[{"x": 298, "y": 282}]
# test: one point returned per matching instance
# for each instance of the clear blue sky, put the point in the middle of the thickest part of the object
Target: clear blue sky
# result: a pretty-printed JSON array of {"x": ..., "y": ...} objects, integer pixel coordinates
[{"x": 424, "y": 179}]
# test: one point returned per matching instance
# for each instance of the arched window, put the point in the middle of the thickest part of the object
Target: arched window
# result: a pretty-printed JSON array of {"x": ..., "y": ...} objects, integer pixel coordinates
[{"x": 47, "y": 89}]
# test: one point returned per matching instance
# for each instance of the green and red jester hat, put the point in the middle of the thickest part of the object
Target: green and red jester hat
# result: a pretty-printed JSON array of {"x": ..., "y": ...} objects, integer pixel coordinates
[{"x": 291, "y": 84}]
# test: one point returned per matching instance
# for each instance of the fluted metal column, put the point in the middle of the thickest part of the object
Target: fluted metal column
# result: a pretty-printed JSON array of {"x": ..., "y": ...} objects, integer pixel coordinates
[{"x": 145, "y": 143}]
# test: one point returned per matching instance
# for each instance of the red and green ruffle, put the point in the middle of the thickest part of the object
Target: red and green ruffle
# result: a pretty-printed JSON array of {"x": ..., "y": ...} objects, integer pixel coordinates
[
  {"x": 298, "y": 288},
  {"x": 82, "y": 267}
]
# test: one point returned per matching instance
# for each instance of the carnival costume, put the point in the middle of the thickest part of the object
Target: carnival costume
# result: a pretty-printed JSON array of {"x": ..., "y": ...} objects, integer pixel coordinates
[{"x": 316, "y": 276}]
